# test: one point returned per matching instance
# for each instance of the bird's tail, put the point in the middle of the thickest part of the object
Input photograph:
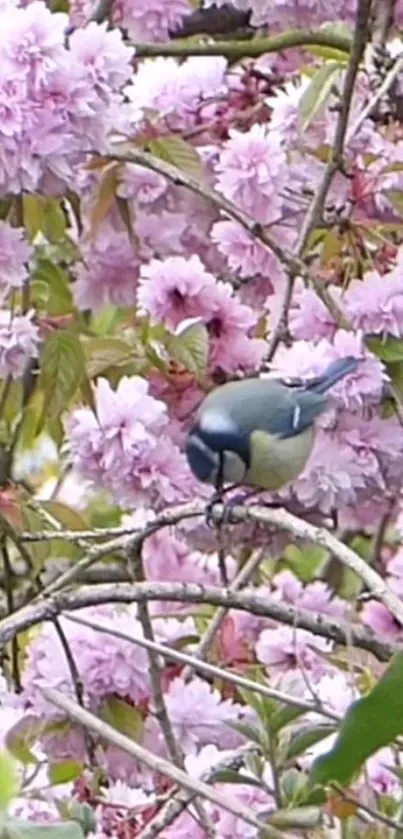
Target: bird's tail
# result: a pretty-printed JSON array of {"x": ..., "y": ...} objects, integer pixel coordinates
[{"x": 336, "y": 371}]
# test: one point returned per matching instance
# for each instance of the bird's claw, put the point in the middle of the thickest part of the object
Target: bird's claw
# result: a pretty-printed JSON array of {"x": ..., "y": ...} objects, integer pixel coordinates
[{"x": 217, "y": 498}]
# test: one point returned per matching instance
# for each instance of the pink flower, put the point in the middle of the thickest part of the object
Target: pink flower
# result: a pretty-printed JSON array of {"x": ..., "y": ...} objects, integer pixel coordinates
[
  {"x": 229, "y": 325},
  {"x": 252, "y": 172},
  {"x": 244, "y": 254},
  {"x": 174, "y": 289},
  {"x": 145, "y": 186},
  {"x": 125, "y": 450},
  {"x": 15, "y": 253},
  {"x": 150, "y": 23},
  {"x": 103, "y": 56},
  {"x": 198, "y": 714},
  {"x": 310, "y": 319},
  {"x": 109, "y": 274},
  {"x": 176, "y": 90},
  {"x": 380, "y": 620},
  {"x": 285, "y": 649},
  {"x": 375, "y": 304},
  {"x": 18, "y": 343},
  {"x": 332, "y": 476},
  {"x": 381, "y": 778}
]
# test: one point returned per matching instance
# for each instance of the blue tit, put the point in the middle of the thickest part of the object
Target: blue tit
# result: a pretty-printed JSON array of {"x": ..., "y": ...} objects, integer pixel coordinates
[{"x": 259, "y": 432}]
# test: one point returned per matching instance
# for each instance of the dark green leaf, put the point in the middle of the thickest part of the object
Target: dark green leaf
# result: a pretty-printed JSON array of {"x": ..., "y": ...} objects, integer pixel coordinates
[
  {"x": 232, "y": 776},
  {"x": 123, "y": 717},
  {"x": 62, "y": 370},
  {"x": 284, "y": 715},
  {"x": 248, "y": 731},
  {"x": 303, "y": 740},
  {"x": 190, "y": 348},
  {"x": 389, "y": 349},
  {"x": 297, "y": 818},
  {"x": 103, "y": 353},
  {"x": 371, "y": 722},
  {"x": 55, "y": 278}
]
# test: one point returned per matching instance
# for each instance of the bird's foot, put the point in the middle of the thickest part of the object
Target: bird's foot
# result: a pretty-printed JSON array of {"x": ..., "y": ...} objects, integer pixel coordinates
[{"x": 216, "y": 498}]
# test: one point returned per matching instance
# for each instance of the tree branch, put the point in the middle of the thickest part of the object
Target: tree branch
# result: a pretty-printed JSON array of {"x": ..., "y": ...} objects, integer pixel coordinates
[
  {"x": 155, "y": 763},
  {"x": 128, "y": 154},
  {"x": 360, "y": 37},
  {"x": 236, "y": 50},
  {"x": 246, "y": 601},
  {"x": 197, "y": 665}
]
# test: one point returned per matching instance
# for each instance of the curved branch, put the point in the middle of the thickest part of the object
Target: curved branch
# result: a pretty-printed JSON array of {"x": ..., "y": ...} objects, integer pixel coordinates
[
  {"x": 246, "y": 601},
  {"x": 238, "y": 49}
]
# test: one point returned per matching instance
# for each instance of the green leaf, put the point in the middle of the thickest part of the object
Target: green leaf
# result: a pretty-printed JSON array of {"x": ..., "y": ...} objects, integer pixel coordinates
[
  {"x": 62, "y": 371},
  {"x": 284, "y": 715},
  {"x": 297, "y": 818},
  {"x": 293, "y": 786},
  {"x": 103, "y": 353},
  {"x": 248, "y": 731},
  {"x": 69, "y": 518},
  {"x": 18, "y": 829},
  {"x": 232, "y": 776},
  {"x": 371, "y": 722},
  {"x": 175, "y": 150},
  {"x": 306, "y": 561},
  {"x": 9, "y": 786},
  {"x": 388, "y": 349},
  {"x": 303, "y": 740},
  {"x": 22, "y": 736},
  {"x": 109, "y": 181},
  {"x": 64, "y": 771},
  {"x": 318, "y": 91},
  {"x": 71, "y": 809},
  {"x": 123, "y": 717},
  {"x": 190, "y": 347},
  {"x": 60, "y": 301}
]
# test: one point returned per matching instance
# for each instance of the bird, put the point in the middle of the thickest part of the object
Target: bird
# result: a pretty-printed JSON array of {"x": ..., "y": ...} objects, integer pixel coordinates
[{"x": 258, "y": 432}]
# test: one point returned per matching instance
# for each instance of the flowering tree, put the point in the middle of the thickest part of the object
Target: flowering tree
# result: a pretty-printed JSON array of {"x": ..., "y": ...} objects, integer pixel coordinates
[{"x": 188, "y": 196}]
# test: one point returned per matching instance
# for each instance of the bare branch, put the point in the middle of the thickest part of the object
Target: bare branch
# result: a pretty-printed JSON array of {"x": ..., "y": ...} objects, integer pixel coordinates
[
  {"x": 243, "y": 577},
  {"x": 360, "y": 37},
  {"x": 246, "y": 601},
  {"x": 135, "y": 561},
  {"x": 155, "y": 763},
  {"x": 126, "y": 153},
  {"x": 175, "y": 806},
  {"x": 377, "y": 97},
  {"x": 197, "y": 665}
]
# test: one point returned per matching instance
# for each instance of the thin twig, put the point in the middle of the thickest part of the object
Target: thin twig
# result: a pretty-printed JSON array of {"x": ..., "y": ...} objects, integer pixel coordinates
[
  {"x": 360, "y": 37},
  {"x": 9, "y": 592},
  {"x": 130, "y": 540},
  {"x": 376, "y": 98},
  {"x": 243, "y": 577},
  {"x": 175, "y": 806},
  {"x": 135, "y": 562},
  {"x": 126, "y": 153},
  {"x": 156, "y": 763},
  {"x": 206, "y": 668}
]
